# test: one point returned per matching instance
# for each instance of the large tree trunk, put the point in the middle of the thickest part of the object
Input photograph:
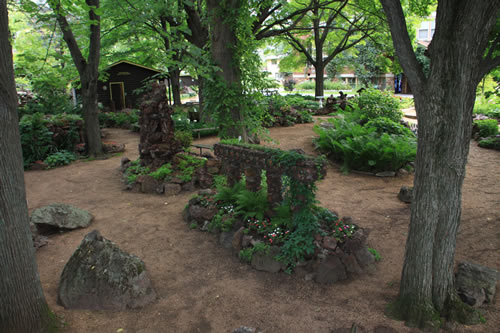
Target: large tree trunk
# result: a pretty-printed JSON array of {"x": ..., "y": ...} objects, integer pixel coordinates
[
  {"x": 224, "y": 41},
  {"x": 175, "y": 76},
  {"x": 319, "y": 88},
  {"x": 22, "y": 306},
  {"x": 91, "y": 117},
  {"x": 88, "y": 71},
  {"x": 444, "y": 103}
]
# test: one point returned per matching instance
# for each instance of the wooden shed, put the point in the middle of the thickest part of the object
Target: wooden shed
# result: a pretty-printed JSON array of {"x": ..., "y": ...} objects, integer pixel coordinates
[{"x": 117, "y": 92}]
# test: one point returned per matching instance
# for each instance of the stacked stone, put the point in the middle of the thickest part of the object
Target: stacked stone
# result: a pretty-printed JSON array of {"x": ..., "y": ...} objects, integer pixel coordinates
[
  {"x": 157, "y": 142},
  {"x": 237, "y": 160}
]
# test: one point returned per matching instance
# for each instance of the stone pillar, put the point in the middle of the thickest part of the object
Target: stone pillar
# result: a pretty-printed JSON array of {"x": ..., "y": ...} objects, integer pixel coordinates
[
  {"x": 253, "y": 179},
  {"x": 233, "y": 173},
  {"x": 274, "y": 195}
]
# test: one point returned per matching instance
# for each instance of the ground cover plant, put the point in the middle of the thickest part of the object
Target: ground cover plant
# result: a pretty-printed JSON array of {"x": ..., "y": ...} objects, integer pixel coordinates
[
  {"x": 370, "y": 137},
  {"x": 490, "y": 143}
]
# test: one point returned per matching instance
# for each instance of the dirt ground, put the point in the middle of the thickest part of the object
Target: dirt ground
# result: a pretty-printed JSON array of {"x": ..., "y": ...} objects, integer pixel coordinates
[{"x": 202, "y": 287}]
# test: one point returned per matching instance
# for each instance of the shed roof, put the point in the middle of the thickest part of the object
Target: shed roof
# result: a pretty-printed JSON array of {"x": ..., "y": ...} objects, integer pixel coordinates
[{"x": 133, "y": 64}]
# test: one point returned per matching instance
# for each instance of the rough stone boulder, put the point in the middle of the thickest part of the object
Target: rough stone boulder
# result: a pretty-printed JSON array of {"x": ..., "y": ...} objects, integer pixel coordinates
[
  {"x": 475, "y": 283},
  {"x": 100, "y": 276},
  {"x": 60, "y": 216},
  {"x": 406, "y": 194},
  {"x": 266, "y": 261}
]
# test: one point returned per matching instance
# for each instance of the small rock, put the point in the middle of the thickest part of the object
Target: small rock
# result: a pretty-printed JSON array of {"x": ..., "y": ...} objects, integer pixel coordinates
[
  {"x": 329, "y": 243},
  {"x": 365, "y": 258},
  {"x": 205, "y": 226},
  {"x": 403, "y": 172},
  {"x": 38, "y": 165},
  {"x": 124, "y": 163},
  {"x": 351, "y": 264},
  {"x": 327, "y": 125},
  {"x": 150, "y": 184},
  {"x": 238, "y": 239},
  {"x": 213, "y": 170},
  {"x": 266, "y": 262},
  {"x": 406, "y": 194},
  {"x": 246, "y": 241},
  {"x": 201, "y": 214},
  {"x": 206, "y": 192},
  {"x": 330, "y": 270},
  {"x": 244, "y": 329},
  {"x": 384, "y": 329},
  {"x": 475, "y": 283},
  {"x": 188, "y": 187},
  {"x": 385, "y": 174},
  {"x": 226, "y": 239},
  {"x": 100, "y": 276},
  {"x": 170, "y": 189},
  {"x": 60, "y": 216}
]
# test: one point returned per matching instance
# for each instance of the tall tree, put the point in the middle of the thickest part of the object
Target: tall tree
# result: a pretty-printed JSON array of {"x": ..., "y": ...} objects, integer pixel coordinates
[
  {"x": 88, "y": 69},
  {"x": 23, "y": 307},
  {"x": 329, "y": 28},
  {"x": 464, "y": 48}
]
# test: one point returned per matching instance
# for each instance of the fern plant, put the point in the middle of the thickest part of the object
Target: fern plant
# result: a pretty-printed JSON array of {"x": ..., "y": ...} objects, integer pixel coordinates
[{"x": 251, "y": 204}]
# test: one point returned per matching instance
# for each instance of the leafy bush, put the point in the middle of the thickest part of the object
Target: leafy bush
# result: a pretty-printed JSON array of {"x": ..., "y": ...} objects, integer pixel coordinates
[
  {"x": 60, "y": 158},
  {"x": 36, "y": 139},
  {"x": 135, "y": 170},
  {"x": 185, "y": 137},
  {"x": 306, "y": 85},
  {"x": 251, "y": 204},
  {"x": 362, "y": 148},
  {"x": 490, "y": 143},
  {"x": 301, "y": 102},
  {"x": 119, "y": 119},
  {"x": 386, "y": 125},
  {"x": 487, "y": 127},
  {"x": 374, "y": 103},
  {"x": 289, "y": 85},
  {"x": 336, "y": 85}
]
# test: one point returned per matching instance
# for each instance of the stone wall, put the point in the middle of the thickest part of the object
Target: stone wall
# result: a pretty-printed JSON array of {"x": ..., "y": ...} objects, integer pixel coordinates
[{"x": 238, "y": 160}]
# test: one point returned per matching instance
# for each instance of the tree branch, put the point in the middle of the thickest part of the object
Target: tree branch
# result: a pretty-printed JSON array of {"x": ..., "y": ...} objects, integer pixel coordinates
[
  {"x": 297, "y": 45},
  {"x": 69, "y": 38},
  {"x": 95, "y": 36},
  {"x": 402, "y": 43}
]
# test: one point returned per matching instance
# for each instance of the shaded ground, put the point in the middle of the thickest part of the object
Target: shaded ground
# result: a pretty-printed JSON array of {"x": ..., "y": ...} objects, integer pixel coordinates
[{"x": 203, "y": 288}]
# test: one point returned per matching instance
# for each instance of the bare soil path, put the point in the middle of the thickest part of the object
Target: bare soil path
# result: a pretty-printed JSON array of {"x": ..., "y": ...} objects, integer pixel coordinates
[{"x": 204, "y": 288}]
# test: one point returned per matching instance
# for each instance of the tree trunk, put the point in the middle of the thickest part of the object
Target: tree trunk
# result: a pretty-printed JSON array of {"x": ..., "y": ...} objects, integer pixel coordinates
[
  {"x": 319, "y": 88},
  {"x": 201, "y": 98},
  {"x": 224, "y": 41},
  {"x": 175, "y": 76},
  {"x": 91, "y": 117},
  {"x": 444, "y": 102},
  {"x": 88, "y": 71},
  {"x": 22, "y": 307}
]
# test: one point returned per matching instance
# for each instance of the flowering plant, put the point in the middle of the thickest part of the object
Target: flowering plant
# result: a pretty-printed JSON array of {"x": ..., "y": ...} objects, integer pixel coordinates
[{"x": 342, "y": 231}]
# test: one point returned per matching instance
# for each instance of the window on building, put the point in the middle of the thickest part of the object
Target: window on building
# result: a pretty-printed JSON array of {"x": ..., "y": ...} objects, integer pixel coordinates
[
  {"x": 274, "y": 61},
  {"x": 423, "y": 34}
]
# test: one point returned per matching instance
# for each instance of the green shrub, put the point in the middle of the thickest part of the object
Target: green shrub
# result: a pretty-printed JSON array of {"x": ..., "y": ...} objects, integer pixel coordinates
[
  {"x": 162, "y": 172},
  {"x": 362, "y": 148},
  {"x": 486, "y": 127},
  {"x": 36, "y": 139},
  {"x": 119, "y": 119},
  {"x": 184, "y": 137},
  {"x": 375, "y": 253},
  {"x": 490, "y": 143},
  {"x": 386, "y": 125},
  {"x": 374, "y": 103},
  {"x": 336, "y": 85},
  {"x": 60, "y": 158},
  {"x": 306, "y": 85},
  {"x": 251, "y": 204}
]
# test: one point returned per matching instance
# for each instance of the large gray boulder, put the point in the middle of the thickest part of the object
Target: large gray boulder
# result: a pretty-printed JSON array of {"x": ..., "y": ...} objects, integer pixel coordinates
[
  {"x": 100, "y": 276},
  {"x": 475, "y": 283},
  {"x": 60, "y": 216}
]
